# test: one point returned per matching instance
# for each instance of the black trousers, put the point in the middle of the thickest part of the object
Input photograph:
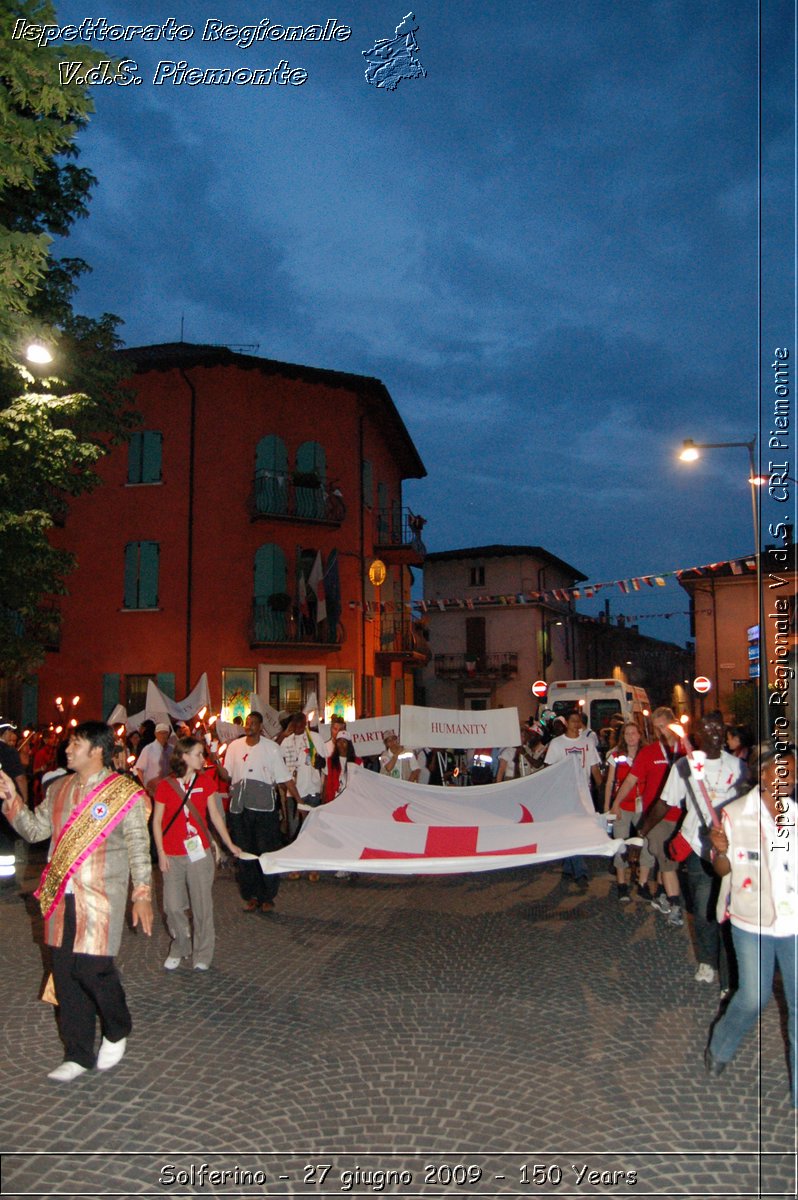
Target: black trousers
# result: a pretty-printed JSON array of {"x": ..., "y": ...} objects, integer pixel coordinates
[
  {"x": 259, "y": 833},
  {"x": 86, "y": 986}
]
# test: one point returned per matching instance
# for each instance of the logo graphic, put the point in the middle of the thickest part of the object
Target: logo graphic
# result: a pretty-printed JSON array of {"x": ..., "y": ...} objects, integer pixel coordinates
[
  {"x": 99, "y": 811},
  {"x": 393, "y": 59},
  {"x": 449, "y": 841}
]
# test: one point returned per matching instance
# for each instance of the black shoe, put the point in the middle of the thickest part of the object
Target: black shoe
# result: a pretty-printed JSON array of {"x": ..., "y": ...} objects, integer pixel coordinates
[
  {"x": 623, "y": 893},
  {"x": 583, "y": 883},
  {"x": 712, "y": 1064}
]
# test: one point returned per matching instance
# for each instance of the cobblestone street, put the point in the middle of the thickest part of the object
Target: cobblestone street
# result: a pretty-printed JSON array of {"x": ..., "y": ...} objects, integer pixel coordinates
[{"x": 500, "y": 1023}]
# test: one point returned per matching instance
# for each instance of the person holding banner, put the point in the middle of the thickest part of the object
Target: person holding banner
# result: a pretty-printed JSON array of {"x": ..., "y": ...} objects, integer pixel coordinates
[
  {"x": 702, "y": 783},
  {"x": 255, "y": 767},
  {"x": 183, "y": 802},
  {"x": 98, "y": 825}
]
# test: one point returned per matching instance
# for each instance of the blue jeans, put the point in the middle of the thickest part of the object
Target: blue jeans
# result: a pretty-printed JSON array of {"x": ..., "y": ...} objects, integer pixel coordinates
[
  {"x": 757, "y": 956},
  {"x": 575, "y": 866}
]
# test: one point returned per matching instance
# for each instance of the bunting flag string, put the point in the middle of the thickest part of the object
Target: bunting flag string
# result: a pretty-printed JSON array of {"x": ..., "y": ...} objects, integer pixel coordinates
[{"x": 738, "y": 566}]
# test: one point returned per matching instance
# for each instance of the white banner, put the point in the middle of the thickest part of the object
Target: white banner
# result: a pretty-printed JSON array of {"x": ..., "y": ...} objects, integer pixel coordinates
[
  {"x": 454, "y": 729},
  {"x": 385, "y": 826},
  {"x": 160, "y": 707},
  {"x": 367, "y": 735},
  {"x": 271, "y": 718}
]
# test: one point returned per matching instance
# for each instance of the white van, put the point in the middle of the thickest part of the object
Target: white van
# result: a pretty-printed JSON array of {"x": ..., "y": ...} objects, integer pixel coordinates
[{"x": 600, "y": 700}]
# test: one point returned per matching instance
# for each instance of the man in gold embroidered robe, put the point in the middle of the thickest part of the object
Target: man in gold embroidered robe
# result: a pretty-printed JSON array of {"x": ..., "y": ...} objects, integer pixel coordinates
[{"x": 97, "y": 822}]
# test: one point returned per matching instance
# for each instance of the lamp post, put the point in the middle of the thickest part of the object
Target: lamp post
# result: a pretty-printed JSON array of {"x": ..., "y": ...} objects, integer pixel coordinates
[{"x": 691, "y": 452}]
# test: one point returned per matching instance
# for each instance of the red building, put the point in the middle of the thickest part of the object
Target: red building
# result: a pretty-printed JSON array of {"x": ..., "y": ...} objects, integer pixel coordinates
[{"x": 248, "y": 483}]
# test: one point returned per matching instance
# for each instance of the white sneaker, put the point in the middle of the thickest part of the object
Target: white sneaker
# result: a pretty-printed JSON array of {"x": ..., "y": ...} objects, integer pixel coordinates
[
  {"x": 201, "y": 967},
  {"x": 67, "y": 1072},
  {"x": 704, "y": 974},
  {"x": 110, "y": 1053},
  {"x": 172, "y": 963}
]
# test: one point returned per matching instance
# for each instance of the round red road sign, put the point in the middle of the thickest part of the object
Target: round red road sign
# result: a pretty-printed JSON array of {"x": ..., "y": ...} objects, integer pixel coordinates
[
  {"x": 539, "y": 689},
  {"x": 701, "y": 684}
]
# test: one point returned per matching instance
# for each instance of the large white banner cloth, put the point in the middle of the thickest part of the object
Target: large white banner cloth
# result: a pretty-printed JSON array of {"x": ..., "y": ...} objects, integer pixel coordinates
[{"x": 386, "y": 826}]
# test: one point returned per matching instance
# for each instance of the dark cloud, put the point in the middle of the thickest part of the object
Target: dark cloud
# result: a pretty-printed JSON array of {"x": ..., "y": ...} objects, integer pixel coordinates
[{"x": 547, "y": 249}]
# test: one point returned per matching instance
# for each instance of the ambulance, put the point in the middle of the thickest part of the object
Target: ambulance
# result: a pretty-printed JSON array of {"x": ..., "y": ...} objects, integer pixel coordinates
[{"x": 600, "y": 700}]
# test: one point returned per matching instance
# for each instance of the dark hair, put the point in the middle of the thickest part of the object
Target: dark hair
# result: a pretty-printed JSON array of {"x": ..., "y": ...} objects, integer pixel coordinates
[
  {"x": 335, "y": 757},
  {"x": 258, "y": 715},
  {"x": 99, "y": 736},
  {"x": 182, "y": 746},
  {"x": 743, "y": 733}
]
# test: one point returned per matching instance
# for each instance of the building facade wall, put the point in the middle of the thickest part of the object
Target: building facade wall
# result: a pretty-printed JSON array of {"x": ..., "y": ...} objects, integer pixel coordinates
[{"x": 204, "y": 621}]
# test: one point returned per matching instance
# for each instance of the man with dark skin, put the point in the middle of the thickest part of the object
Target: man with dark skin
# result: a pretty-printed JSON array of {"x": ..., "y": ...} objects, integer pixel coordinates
[{"x": 706, "y": 778}]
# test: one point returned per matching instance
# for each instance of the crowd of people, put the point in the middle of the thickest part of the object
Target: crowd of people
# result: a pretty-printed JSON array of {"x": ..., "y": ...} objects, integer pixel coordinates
[{"x": 699, "y": 827}]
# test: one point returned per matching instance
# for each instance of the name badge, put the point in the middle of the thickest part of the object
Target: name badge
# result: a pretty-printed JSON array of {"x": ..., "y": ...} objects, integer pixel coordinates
[{"x": 194, "y": 848}]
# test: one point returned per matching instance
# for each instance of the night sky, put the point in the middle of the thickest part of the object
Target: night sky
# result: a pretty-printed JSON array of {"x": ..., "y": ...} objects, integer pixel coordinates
[{"x": 547, "y": 249}]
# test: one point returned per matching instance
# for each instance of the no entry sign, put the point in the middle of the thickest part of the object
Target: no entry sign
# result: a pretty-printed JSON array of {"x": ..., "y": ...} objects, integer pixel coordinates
[
  {"x": 701, "y": 684},
  {"x": 539, "y": 689}
]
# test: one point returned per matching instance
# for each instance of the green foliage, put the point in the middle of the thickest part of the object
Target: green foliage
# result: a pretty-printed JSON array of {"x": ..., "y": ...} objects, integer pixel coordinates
[{"x": 53, "y": 430}]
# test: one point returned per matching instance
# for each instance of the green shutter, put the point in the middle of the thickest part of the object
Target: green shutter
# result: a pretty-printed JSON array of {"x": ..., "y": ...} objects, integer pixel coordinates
[
  {"x": 310, "y": 458},
  {"x": 151, "y": 456},
  {"x": 132, "y": 575},
  {"x": 166, "y": 682},
  {"x": 110, "y": 694},
  {"x": 149, "y": 553},
  {"x": 134, "y": 457}
]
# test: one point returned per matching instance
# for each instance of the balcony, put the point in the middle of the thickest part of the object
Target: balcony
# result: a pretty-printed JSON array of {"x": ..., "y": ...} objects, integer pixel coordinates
[
  {"x": 401, "y": 641},
  {"x": 296, "y": 497},
  {"x": 274, "y": 623},
  {"x": 487, "y": 668},
  {"x": 397, "y": 537}
]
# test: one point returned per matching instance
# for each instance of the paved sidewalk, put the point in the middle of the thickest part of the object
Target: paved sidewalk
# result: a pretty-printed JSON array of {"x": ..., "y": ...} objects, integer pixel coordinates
[{"x": 492, "y": 1034}]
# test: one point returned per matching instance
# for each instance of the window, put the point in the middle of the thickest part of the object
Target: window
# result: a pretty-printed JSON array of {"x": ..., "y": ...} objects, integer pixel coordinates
[
  {"x": 310, "y": 478},
  {"x": 141, "y": 574},
  {"x": 271, "y": 475},
  {"x": 476, "y": 577},
  {"x": 271, "y": 602},
  {"x": 144, "y": 457},
  {"x": 135, "y": 692},
  {"x": 290, "y": 691}
]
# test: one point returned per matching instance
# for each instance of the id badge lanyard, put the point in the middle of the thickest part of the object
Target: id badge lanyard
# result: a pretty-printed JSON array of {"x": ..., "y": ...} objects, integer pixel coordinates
[{"x": 192, "y": 842}]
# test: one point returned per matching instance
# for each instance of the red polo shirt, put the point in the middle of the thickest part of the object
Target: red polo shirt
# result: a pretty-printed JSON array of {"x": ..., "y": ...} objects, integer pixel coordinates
[
  {"x": 650, "y": 767},
  {"x": 204, "y": 787}
]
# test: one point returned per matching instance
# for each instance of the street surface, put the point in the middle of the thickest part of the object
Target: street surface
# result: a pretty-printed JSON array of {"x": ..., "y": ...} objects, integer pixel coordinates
[{"x": 492, "y": 1034}]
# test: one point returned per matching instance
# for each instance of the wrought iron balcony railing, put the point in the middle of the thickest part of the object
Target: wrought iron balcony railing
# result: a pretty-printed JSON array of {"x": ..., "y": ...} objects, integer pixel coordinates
[
  {"x": 477, "y": 666},
  {"x": 288, "y": 626},
  {"x": 296, "y": 497}
]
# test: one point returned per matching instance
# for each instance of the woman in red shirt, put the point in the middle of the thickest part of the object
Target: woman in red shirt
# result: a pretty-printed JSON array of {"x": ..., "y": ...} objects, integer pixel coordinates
[
  {"x": 183, "y": 802},
  {"x": 619, "y": 763}
]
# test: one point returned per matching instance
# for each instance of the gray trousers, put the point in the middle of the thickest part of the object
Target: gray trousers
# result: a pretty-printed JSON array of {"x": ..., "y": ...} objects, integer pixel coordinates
[{"x": 190, "y": 885}]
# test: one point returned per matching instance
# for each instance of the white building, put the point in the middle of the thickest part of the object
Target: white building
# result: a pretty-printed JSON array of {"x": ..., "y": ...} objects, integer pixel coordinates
[{"x": 489, "y": 635}]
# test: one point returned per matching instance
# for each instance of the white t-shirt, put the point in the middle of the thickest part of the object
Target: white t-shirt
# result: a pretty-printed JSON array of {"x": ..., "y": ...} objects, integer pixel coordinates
[
  {"x": 262, "y": 762},
  {"x": 582, "y": 747},
  {"x": 406, "y": 764},
  {"x": 153, "y": 762},
  {"x": 299, "y": 754},
  {"x": 720, "y": 776}
]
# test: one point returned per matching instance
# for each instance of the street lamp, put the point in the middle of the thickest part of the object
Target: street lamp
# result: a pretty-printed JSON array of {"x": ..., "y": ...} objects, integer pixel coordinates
[
  {"x": 691, "y": 452},
  {"x": 38, "y": 353}
]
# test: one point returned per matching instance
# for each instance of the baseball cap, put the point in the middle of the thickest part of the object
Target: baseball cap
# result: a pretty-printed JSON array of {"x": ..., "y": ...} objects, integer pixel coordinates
[{"x": 162, "y": 728}]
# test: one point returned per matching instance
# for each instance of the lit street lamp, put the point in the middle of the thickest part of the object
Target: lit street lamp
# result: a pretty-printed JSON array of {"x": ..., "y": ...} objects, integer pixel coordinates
[
  {"x": 39, "y": 354},
  {"x": 691, "y": 452}
]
